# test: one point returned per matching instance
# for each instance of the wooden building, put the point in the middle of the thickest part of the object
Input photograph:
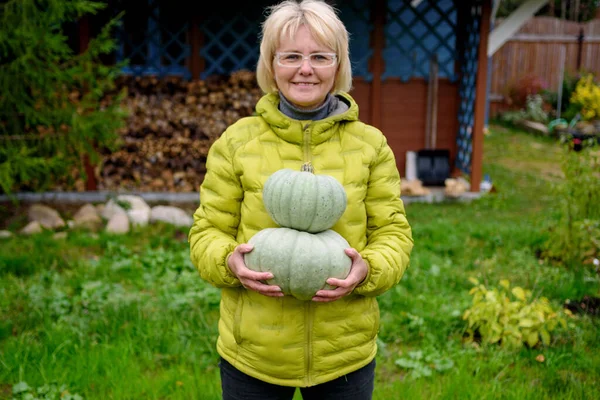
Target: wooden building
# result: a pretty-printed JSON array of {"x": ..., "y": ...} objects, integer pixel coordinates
[{"x": 396, "y": 48}]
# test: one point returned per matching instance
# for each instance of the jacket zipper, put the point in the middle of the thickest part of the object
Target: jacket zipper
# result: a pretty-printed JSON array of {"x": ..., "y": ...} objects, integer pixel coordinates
[
  {"x": 308, "y": 337},
  {"x": 306, "y": 142}
]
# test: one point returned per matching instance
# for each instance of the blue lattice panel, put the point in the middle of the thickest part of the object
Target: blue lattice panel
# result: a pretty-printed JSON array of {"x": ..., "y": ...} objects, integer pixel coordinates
[
  {"x": 415, "y": 34},
  {"x": 153, "y": 43},
  {"x": 466, "y": 111},
  {"x": 356, "y": 15},
  {"x": 230, "y": 43},
  {"x": 231, "y": 39}
]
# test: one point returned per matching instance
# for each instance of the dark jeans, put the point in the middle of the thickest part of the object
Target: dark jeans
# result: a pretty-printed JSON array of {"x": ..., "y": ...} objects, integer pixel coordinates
[{"x": 357, "y": 385}]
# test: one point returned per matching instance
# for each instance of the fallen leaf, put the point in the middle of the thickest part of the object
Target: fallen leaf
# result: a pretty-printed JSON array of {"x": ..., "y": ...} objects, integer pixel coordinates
[{"x": 540, "y": 358}]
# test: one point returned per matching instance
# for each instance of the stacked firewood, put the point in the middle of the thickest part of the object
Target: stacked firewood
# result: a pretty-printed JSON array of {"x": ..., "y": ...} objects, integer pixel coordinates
[{"x": 172, "y": 123}]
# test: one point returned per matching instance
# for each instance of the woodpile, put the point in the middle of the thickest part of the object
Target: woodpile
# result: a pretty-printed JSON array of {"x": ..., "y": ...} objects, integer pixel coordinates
[{"x": 172, "y": 123}]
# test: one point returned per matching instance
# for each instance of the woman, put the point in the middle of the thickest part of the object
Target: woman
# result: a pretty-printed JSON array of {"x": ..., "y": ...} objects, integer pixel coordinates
[{"x": 270, "y": 343}]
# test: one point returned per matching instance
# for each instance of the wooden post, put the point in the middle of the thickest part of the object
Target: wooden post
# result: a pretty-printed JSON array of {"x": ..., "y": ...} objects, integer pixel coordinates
[
  {"x": 580, "y": 38},
  {"x": 196, "y": 39},
  {"x": 480, "y": 97},
  {"x": 84, "y": 40},
  {"x": 378, "y": 11}
]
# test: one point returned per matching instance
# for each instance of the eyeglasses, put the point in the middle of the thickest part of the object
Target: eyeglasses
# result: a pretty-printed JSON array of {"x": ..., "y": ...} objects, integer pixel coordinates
[{"x": 295, "y": 60}]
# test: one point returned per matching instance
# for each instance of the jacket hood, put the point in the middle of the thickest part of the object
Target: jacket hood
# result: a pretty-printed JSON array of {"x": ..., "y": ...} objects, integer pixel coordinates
[{"x": 291, "y": 130}]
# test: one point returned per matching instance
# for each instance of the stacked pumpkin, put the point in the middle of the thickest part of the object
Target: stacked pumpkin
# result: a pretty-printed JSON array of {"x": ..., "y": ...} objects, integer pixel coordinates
[{"x": 304, "y": 252}]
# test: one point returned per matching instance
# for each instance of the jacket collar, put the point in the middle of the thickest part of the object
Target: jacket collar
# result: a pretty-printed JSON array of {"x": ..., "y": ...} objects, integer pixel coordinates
[{"x": 292, "y": 130}]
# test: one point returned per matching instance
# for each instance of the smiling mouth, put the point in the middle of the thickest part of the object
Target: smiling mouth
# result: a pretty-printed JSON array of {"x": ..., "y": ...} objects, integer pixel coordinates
[{"x": 304, "y": 83}]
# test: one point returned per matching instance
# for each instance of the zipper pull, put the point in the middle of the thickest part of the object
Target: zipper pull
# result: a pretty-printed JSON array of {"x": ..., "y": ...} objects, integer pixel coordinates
[{"x": 307, "y": 167}]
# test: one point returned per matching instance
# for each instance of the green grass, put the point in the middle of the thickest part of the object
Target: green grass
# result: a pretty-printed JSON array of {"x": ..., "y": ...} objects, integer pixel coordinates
[{"x": 113, "y": 317}]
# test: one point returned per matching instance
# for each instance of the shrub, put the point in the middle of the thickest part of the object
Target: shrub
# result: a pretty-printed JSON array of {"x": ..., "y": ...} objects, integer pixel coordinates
[
  {"x": 533, "y": 111},
  {"x": 526, "y": 86},
  {"x": 576, "y": 237},
  {"x": 509, "y": 316},
  {"x": 586, "y": 98},
  {"x": 54, "y": 104}
]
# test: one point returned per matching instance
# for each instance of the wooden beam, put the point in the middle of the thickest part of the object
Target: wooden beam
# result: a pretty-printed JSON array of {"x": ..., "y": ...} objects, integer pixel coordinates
[
  {"x": 512, "y": 24},
  {"x": 480, "y": 97},
  {"x": 378, "y": 11},
  {"x": 536, "y": 38},
  {"x": 196, "y": 39},
  {"x": 84, "y": 41},
  {"x": 84, "y": 33}
]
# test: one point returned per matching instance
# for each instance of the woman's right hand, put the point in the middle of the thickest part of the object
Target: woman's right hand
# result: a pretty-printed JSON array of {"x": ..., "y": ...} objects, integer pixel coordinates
[{"x": 251, "y": 279}]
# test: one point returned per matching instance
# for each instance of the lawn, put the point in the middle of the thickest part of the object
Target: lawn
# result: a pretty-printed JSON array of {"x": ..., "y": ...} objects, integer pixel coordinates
[{"x": 110, "y": 317}]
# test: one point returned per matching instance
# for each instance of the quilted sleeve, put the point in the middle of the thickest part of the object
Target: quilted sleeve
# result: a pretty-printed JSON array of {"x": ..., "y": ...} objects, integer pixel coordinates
[
  {"x": 213, "y": 233},
  {"x": 389, "y": 236}
]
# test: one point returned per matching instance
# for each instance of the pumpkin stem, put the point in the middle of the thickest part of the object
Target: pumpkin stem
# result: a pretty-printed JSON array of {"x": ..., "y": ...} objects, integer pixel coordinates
[{"x": 307, "y": 167}]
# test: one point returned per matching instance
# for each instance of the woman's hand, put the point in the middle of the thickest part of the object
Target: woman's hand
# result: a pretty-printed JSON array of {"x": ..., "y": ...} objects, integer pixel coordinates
[
  {"x": 251, "y": 279},
  {"x": 343, "y": 287}
]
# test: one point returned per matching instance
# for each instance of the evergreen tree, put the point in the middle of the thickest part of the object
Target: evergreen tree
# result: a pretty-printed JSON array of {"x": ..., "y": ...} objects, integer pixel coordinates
[{"x": 55, "y": 105}]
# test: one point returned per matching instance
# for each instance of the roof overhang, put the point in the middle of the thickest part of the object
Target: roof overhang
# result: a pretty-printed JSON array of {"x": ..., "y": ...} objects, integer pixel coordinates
[{"x": 511, "y": 25}]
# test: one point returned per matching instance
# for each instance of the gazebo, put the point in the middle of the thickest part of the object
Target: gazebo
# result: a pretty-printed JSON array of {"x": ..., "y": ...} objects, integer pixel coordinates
[{"x": 420, "y": 66}]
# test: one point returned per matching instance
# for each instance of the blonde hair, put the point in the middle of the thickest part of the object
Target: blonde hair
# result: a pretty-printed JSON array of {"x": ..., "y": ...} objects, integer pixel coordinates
[{"x": 322, "y": 21}]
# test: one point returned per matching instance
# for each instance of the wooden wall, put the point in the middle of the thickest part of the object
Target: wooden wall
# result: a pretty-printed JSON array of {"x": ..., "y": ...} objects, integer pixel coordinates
[
  {"x": 404, "y": 110},
  {"x": 539, "y": 48}
]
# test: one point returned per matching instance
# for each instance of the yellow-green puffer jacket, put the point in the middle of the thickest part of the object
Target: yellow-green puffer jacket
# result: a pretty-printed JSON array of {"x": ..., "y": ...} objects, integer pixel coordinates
[{"x": 285, "y": 341}]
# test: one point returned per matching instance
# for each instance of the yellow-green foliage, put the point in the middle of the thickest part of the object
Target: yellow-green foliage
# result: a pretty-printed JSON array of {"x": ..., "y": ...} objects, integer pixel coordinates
[
  {"x": 510, "y": 317},
  {"x": 587, "y": 97}
]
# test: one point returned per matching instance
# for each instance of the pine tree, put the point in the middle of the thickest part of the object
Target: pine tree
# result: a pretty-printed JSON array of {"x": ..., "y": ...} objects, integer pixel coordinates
[{"x": 55, "y": 105}]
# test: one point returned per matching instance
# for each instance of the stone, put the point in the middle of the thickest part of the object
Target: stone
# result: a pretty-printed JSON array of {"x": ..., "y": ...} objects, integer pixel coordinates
[
  {"x": 48, "y": 217},
  {"x": 100, "y": 208},
  {"x": 111, "y": 209},
  {"x": 534, "y": 127},
  {"x": 87, "y": 217},
  {"x": 59, "y": 236},
  {"x": 136, "y": 208},
  {"x": 139, "y": 213},
  {"x": 171, "y": 215},
  {"x": 32, "y": 228},
  {"x": 5, "y": 234},
  {"x": 118, "y": 223}
]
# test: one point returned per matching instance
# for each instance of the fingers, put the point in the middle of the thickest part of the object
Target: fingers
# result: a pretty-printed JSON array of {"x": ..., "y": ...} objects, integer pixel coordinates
[
  {"x": 244, "y": 273},
  {"x": 251, "y": 280},
  {"x": 244, "y": 248},
  {"x": 343, "y": 287},
  {"x": 352, "y": 253},
  {"x": 325, "y": 296},
  {"x": 257, "y": 286}
]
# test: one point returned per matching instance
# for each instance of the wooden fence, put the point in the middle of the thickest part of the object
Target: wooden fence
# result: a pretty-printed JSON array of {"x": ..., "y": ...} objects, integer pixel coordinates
[{"x": 543, "y": 48}]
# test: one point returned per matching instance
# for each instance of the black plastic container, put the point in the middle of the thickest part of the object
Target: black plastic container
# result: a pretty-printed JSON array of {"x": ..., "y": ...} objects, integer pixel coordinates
[{"x": 433, "y": 167}]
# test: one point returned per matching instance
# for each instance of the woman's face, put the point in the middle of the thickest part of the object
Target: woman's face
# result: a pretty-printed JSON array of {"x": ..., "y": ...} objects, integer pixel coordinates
[{"x": 306, "y": 87}]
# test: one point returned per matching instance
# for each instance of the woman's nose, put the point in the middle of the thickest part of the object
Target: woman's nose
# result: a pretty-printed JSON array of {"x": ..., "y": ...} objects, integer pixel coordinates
[{"x": 305, "y": 67}]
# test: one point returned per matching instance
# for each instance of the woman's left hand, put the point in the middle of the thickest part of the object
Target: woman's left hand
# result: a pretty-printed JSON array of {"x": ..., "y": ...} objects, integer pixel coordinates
[{"x": 343, "y": 287}]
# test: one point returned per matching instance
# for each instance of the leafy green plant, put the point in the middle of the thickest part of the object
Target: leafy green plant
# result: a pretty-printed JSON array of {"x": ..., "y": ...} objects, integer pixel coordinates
[
  {"x": 534, "y": 108},
  {"x": 56, "y": 107},
  {"x": 575, "y": 238},
  {"x": 422, "y": 364},
  {"x": 52, "y": 391},
  {"x": 510, "y": 317},
  {"x": 533, "y": 111},
  {"x": 551, "y": 97}
]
